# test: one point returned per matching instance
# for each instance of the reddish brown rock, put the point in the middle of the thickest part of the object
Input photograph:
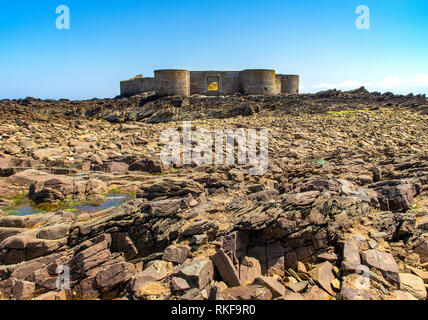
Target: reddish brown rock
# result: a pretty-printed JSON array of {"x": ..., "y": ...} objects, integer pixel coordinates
[
  {"x": 121, "y": 242},
  {"x": 13, "y": 288},
  {"x": 179, "y": 284},
  {"x": 254, "y": 292},
  {"x": 197, "y": 273},
  {"x": 249, "y": 270},
  {"x": 351, "y": 256},
  {"x": 276, "y": 288},
  {"x": 323, "y": 275},
  {"x": 226, "y": 269},
  {"x": 382, "y": 261},
  {"x": 176, "y": 254},
  {"x": 114, "y": 275},
  {"x": 316, "y": 293},
  {"x": 149, "y": 164},
  {"x": 394, "y": 195}
]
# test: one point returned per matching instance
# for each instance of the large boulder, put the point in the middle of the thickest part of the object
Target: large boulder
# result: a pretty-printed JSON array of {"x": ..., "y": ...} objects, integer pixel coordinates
[
  {"x": 383, "y": 262},
  {"x": 198, "y": 273},
  {"x": 394, "y": 195}
]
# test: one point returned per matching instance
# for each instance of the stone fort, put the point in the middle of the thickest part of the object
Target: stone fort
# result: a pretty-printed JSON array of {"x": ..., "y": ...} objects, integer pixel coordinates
[{"x": 215, "y": 83}]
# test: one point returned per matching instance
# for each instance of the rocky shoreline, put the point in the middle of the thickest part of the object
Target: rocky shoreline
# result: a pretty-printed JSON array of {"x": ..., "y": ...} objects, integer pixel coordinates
[{"x": 341, "y": 214}]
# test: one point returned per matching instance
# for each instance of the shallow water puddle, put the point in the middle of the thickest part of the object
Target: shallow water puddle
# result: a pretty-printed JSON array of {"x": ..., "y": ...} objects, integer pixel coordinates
[{"x": 109, "y": 201}]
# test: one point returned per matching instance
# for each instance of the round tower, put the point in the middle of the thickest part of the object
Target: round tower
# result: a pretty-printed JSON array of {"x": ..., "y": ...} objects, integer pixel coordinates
[
  {"x": 290, "y": 84},
  {"x": 258, "y": 81},
  {"x": 172, "y": 82}
]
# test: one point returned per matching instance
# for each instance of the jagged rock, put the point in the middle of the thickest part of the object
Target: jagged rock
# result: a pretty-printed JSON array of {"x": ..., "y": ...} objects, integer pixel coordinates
[
  {"x": 153, "y": 289},
  {"x": 249, "y": 270},
  {"x": 422, "y": 223},
  {"x": 54, "y": 232},
  {"x": 226, "y": 269},
  {"x": 382, "y": 261},
  {"x": 166, "y": 207},
  {"x": 47, "y": 152},
  {"x": 348, "y": 293},
  {"x": 151, "y": 165},
  {"x": 307, "y": 205},
  {"x": 197, "y": 273},
  {"x": 236, "y": 175},
  {"x": 121, "y": 242},
  {"x": 327, "y": 257},
  {"x": 323, "y": 275},
  {"x": 421, "y": 274},
  {"x": 297, "y": 287},
  {"x": 91, "y": 257},
  {"x": 316, "y": 293},
  {"x": 351, "y": 256},
  {"x": 60, "y": 188},
  {"x": 413, "y": 284},
  {"x": 193, "y": 294},
  {"x": 52, "y": 295},
  {"x": 170, "y": 188},
  {"x": 198, "y": 227},
  {"x": 235, "y": 245},
  {"x": 300, "y": 199},
  {"x": 8, "y": 232},
  {"x": 17, "y": 289},
  {"x": 395, "y": 196},
  {"x": 276, "y": 288},
  {"x": 179, "y": 284},
  {"x": 294, "y": 296},
  {"x": 176, "y": 254},
  {"x": 112, "y": 166},
  {"x": 198, "y": 239},
  {"x": 253, "y": 292},
  {"x": 157, "y": 271},
  {"x": 114, "y": 275},
  {"x": 402, "y": 295},
  {"x": 420, "y": 247}
]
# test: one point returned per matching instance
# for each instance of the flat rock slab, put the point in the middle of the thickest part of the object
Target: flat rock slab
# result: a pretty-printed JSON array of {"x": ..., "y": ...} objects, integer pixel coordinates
[
  {"x": 382, "y": 261},
  {"x": 413, "y": 284},
  {"x": 323, "y": 274}
]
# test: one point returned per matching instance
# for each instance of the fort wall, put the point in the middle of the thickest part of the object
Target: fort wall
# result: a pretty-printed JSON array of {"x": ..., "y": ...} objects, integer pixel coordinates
[
  {"x": 136, "y": 86},
  {"x": 216, "y": 83},
  {"x": 225, "y": 82}
]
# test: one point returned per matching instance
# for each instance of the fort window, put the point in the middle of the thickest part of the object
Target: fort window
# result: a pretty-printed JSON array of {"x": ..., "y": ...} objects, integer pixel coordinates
[{"x": 212, "y": 83}]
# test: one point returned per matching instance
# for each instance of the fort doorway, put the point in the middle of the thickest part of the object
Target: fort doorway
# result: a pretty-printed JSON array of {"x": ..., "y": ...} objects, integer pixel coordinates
[{"x": 213, "y": 84}]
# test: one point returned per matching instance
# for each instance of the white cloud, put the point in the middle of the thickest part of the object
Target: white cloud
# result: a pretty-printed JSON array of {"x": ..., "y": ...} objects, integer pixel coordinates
[
  {"x": 393, "y": 83},
  {"x": 419, "y": 80},
  {"x": 388, "y": 83},
  {"x": 324, "y": 86},
  {"x": 350, "y": 84}
]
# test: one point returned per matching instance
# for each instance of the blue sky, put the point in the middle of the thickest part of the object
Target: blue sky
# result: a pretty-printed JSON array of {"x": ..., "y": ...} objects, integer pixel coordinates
[{"x": 114, "y": 40}]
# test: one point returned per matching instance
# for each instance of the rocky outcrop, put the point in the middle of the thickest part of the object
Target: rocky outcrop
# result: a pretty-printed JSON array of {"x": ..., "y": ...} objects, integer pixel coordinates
[{"x": 341, "y": 212}]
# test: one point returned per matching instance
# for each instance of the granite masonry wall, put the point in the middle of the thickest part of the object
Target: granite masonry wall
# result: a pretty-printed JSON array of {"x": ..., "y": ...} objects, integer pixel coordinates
[{"x": 217, "y": 83}]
